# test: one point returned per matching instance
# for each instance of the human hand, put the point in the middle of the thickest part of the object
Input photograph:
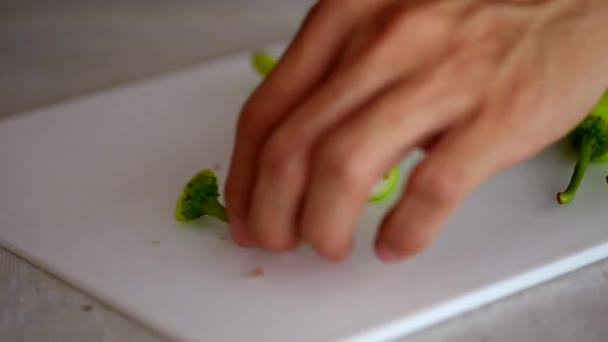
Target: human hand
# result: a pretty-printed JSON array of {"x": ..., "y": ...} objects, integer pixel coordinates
[{"x": 479, "y": 84}]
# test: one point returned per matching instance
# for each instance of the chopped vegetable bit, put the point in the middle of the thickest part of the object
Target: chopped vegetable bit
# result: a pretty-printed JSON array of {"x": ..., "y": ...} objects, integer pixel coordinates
[
  {"x": 385, "y": 186},
  {"x": 263, "y": 62},
  {"x": 200, "y": 197},
  {"x": 590, "y": 141},
  {"x": 257, "y": 272}
]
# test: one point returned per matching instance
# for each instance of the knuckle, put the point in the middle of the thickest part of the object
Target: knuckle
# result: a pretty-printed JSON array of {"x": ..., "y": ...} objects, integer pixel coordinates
[
  {"x": 249, "y": 121},
  {"x": 423, "y": 30},
  {"x": 341, "y": 162},
  {"x": 422, "y": 24},
  {"x": 279, "y": 157},
  {"x": 437, "y": 185},
  {"x": 257, "y": 113}
]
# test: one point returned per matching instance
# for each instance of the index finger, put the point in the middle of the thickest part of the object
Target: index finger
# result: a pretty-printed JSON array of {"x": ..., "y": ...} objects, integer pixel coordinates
[{"x": 304, "y": 64}]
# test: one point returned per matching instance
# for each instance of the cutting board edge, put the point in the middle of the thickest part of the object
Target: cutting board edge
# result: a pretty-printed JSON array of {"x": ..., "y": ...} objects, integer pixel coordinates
[
  {"x": 156, "y": 328},
  {"x": 390, "y": 331},
  {"x": 478, "y": 298}
]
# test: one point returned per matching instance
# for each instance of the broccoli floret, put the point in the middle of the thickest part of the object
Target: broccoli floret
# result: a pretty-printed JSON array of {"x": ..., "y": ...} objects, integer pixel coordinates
[
  {"x": 199, "y": 198},
  {"x": 590, "y": 141}
]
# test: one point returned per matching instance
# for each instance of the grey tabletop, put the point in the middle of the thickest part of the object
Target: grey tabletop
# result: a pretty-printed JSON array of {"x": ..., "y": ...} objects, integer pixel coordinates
[{"x": 52, "y": 52}]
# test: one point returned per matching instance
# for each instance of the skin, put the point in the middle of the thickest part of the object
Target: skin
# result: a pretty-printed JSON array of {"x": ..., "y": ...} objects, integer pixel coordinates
[{"x": 480, "y": 85}]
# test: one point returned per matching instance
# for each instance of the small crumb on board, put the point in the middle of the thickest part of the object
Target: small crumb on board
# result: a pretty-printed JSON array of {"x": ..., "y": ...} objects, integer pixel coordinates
[
  {"x": 255, "y": 273},
  {"x": 156, "y": 242},
  {"x": 87, "y": 308}
]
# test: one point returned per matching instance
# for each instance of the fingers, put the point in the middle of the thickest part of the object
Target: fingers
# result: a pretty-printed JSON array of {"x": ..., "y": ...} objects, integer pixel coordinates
[
  {"x": 306, "y": 60},
  {"x": 356, "y": 155},
  {"x": 284, "y": 165},
  {"x": 459, "y": 162},
  {"x": 284, "y": 169}
]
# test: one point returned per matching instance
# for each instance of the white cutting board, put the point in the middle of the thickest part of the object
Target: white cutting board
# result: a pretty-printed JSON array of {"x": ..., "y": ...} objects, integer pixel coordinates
[{"x": 88, "y": 190}]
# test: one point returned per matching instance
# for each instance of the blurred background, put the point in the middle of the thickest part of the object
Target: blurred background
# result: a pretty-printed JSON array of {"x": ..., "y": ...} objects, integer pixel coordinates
[{"x": 54, "y": 50}]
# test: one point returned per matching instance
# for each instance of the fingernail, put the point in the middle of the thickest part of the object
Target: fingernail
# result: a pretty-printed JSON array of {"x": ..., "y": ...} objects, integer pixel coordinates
[
  {"x": 239, "y": 233},
  {"x": 387, "y": 254}
]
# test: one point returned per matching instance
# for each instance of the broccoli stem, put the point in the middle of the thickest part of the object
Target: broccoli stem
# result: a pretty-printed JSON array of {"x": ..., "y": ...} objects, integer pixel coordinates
[
  {"x": 587, "y": 145},
  {"x": 216, "y": 209}
]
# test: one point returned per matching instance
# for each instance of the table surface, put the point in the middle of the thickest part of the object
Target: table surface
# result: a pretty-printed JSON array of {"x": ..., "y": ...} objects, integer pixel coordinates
[{"x": 54, "y": 52}]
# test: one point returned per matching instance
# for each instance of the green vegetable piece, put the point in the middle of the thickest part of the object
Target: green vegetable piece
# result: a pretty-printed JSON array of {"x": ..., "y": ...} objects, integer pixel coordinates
[
  {"x": 199, "y": 198},
  {"x": 590, "y": 141},
  {"x": 263, "y": 62},
  {"x": 385, "y": 186},
  {"x": 601, "y": 159}
]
